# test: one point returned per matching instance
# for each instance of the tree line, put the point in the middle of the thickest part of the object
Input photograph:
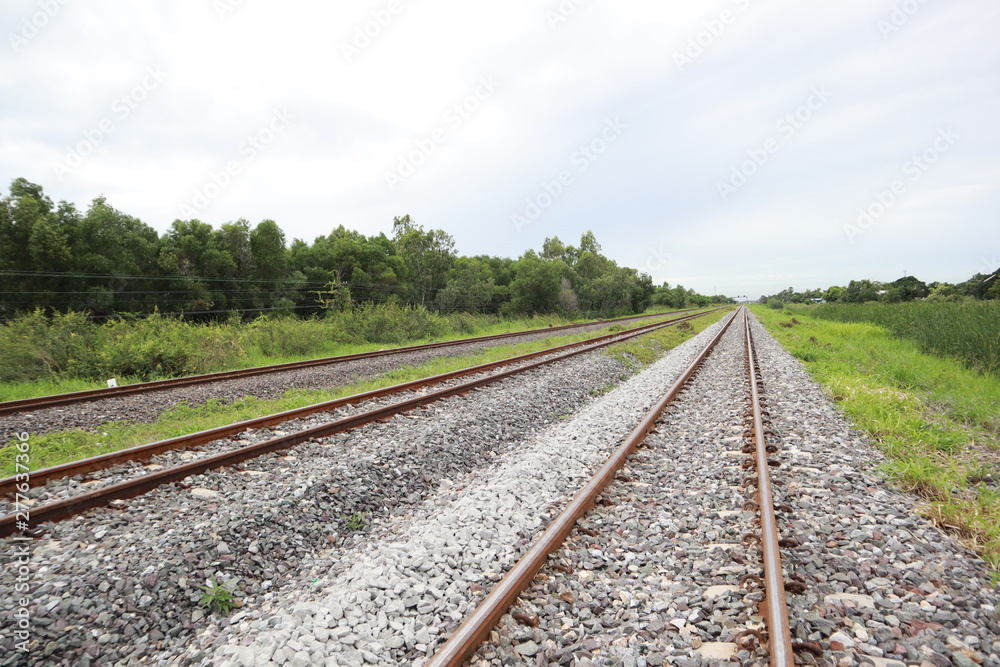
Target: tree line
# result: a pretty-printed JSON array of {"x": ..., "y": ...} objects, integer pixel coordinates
[
  {"x": 109, "y": 264},
  {"x": 980, "y": 287}
]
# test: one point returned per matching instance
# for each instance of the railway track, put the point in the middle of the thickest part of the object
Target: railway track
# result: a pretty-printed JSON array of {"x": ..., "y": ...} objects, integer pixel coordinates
[
  {"x": 667, "y": 563},
  {"x": 75, "y": 398},
  {"x": 464, "y": 642},
  {"x": 57, "y": 510}
]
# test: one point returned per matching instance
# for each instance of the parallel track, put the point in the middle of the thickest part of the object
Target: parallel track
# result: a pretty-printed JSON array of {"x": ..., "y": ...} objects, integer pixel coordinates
[
  {"x": 69, "y": 507},
  {"x": 41, "y": 402}
]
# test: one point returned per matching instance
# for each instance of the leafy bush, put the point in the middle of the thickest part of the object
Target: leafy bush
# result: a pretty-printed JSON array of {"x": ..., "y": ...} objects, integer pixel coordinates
[
  {"x": 35, "y": 346},
  {"x": 285, "y": 336},
  {"x": 388, "y": 323}
]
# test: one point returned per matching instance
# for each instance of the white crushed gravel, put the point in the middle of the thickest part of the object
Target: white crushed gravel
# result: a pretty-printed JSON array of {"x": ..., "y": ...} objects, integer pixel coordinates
[
  {"x": 658, "y": 582},
  {"x": 392, "y": 601}
]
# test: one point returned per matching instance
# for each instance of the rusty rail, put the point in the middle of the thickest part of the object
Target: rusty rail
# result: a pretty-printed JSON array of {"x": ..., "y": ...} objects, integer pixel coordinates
[
  {"x": 40, "y": 402},
  {"x": 144, "y": 452},
  {"x": 774, "y": 607},
  {"x": 467, "y": 638},
  {"x": 69, "y": 507}
]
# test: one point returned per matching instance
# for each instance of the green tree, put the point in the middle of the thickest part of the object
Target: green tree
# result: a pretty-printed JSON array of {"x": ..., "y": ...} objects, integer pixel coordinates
[
  {"x": 471, "y": 287},
  {"x": 272, "y": 265},
  {"x": 426, "y": 255},
  {"x": 537, "y": 285},
  {"x": 833, "y": 293},
  {"x": 943, "y": 292},
  {"x": 860, "y": 291},
  {"x": 907, "y": 288},
  {"x": 118, "y": 248}
]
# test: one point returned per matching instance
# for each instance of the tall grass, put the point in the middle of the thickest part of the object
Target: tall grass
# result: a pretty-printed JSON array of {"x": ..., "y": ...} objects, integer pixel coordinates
[
  {"x": 969, "y": 331},
  {"x": 936, "y": 421},
  {"x": 38, "y": 348}
]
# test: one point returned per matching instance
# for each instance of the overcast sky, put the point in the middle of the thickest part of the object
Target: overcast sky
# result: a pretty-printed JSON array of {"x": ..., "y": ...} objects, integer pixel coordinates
[{"x": 739, "y": 146}]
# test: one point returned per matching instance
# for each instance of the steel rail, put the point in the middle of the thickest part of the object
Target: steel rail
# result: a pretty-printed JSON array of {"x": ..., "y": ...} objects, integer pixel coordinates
[
  {"x": 55, "y": 400},
  {"x": 69, "y": 507},
  {"x": 774, "y": 605},
  {"x": 146, "y": 451},
  {"x": 477, "y": 626}
]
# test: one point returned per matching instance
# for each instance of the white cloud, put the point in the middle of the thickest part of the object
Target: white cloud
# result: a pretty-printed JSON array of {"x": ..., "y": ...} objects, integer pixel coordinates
[{"x": 656, "y": 186}]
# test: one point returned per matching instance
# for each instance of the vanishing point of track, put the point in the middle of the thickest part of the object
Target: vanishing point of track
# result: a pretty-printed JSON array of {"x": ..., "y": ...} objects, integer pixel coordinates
[{"x": 477, "y": 626}]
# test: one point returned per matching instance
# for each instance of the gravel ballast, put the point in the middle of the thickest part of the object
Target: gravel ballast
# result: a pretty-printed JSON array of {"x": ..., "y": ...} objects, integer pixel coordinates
[
  {"x": 654, "y": 579},
  {"x": 67, "y": 487},
  {"x": 452, "y": 495},
  {"x": 392, "y": 601},
  {"x": 114, "y": 586}
]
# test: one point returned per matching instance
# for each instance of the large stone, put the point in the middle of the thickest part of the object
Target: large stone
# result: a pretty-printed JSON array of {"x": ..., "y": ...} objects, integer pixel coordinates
[
  {"x": 528, "y": 648},
  {"x": 718, "y": 650},
  {"x": 859, "y": 601}
]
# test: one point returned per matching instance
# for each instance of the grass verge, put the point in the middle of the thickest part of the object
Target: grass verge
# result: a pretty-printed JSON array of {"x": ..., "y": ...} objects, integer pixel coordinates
[
  {"x": 968, "y": 330},
  {"x": 54, "y": 448},
  {"x": 937, "y": 421}
]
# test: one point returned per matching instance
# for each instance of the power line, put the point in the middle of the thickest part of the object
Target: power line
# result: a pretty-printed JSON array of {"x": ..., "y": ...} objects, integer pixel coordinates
[{"x": 53, "y": 274}]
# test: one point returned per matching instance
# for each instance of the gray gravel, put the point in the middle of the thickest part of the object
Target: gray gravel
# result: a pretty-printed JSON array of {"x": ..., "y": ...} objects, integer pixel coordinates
[
  {"x": 115, "y": 585},
  {"x": 884, "y": 583},
  {"x": 148, "y": 407},
  {"x": 658, "y": 581},
  {"x": 69, "y": 486},
  {"x": 392, "y": 601},
  {"x": 651, "y": 580}
]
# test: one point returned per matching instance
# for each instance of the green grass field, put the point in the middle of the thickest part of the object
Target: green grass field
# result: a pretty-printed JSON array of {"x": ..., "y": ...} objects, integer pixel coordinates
[
  {"x": 936, "y": 420},
  {"x": 969, "y": 330}
]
